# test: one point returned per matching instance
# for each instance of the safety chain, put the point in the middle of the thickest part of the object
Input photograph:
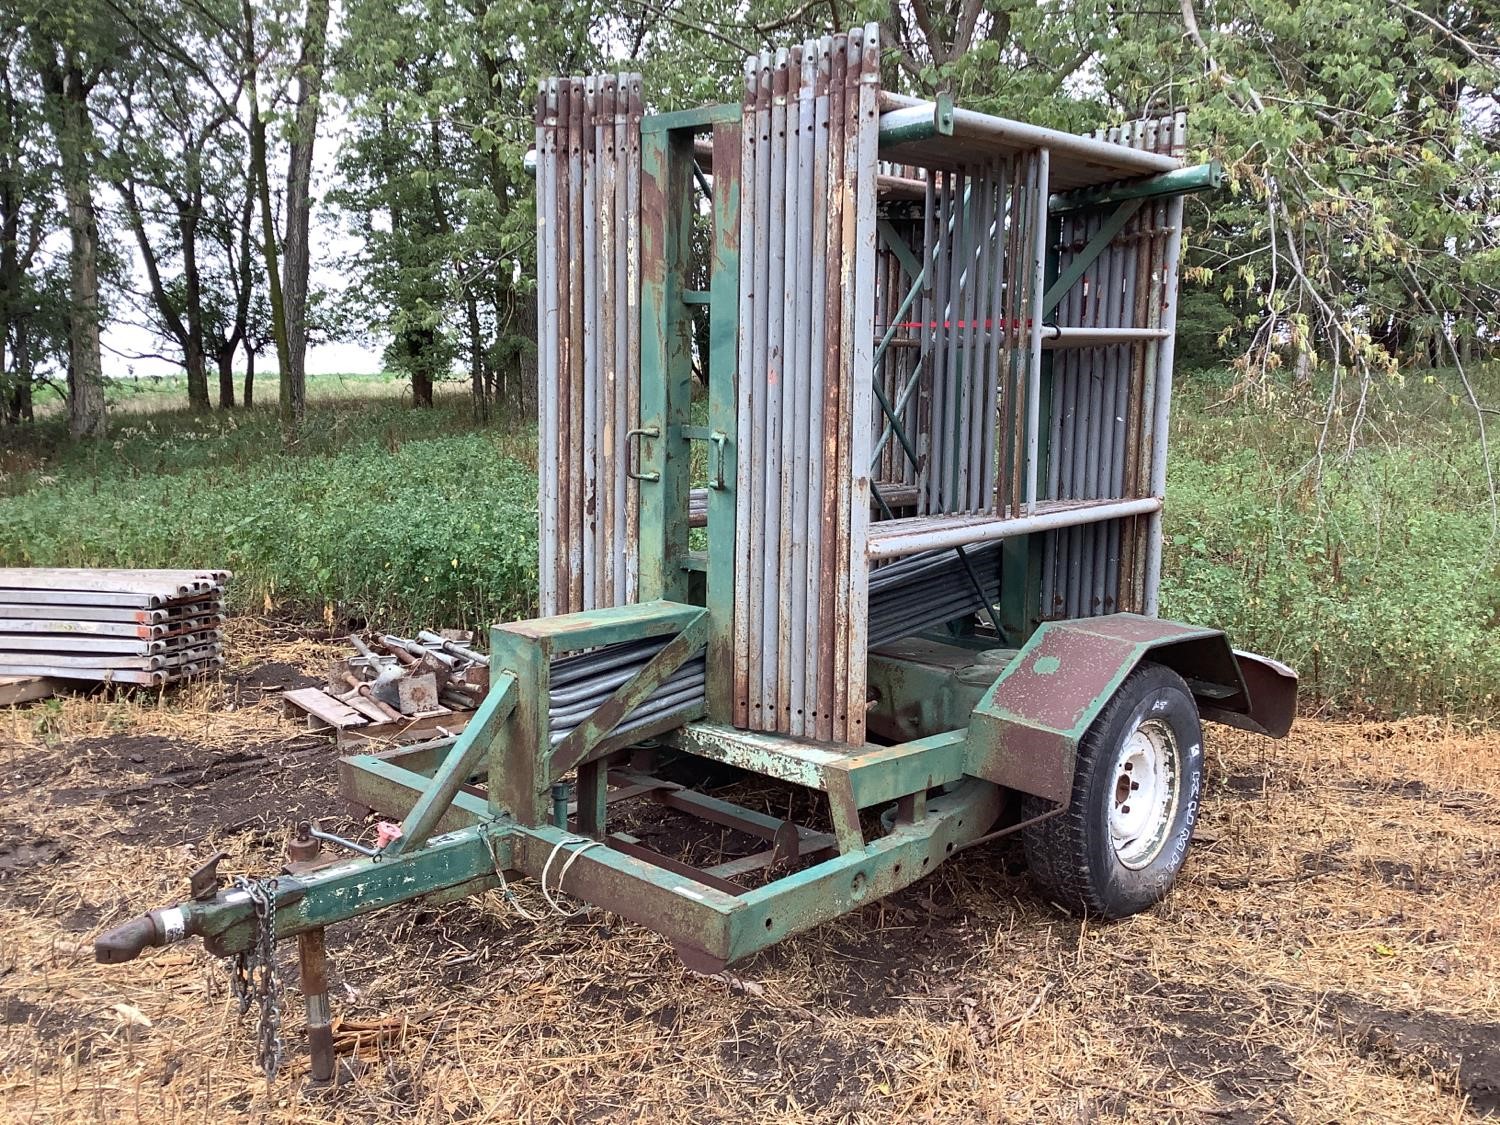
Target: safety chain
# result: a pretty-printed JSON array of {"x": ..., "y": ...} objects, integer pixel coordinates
[{"x": 254, "y": 976}]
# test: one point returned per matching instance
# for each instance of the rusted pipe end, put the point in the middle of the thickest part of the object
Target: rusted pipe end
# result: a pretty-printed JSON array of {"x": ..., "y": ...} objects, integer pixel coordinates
[
  {"x": 125, "y": 942},
  {"x": 313, "y": 967}
]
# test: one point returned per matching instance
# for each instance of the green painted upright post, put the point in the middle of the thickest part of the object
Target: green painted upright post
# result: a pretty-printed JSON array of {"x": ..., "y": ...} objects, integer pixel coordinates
[
  {"x": 515, "y": 752},
  {"x": 666, "y": 358},
  {"x": 723, "y": 418}
]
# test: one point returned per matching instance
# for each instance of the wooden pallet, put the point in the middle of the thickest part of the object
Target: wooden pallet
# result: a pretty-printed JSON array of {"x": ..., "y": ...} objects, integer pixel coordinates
[{"x": 323, "y": 712}]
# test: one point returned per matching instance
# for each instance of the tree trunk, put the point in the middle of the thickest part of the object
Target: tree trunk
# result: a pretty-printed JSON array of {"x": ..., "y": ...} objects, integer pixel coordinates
[
  {"x": 85, "y": 371},
  {"x": 197, "y": 374},
  {"x": 295, "y": 265},
  {"x": 249, "y": 375},
  {"x": 290, "y": 419},
  {"x": 421, "y": 387},
  {"x": 21, "y": 395},
  {"x": 418, "y": 344},
  {"x": 226, "y": 377},
  {"x": 478, "y": 389}
]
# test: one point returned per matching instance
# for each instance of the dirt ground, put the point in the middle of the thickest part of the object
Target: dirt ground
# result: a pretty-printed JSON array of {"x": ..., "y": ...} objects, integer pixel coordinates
[{"x": 1332, "y": 953}]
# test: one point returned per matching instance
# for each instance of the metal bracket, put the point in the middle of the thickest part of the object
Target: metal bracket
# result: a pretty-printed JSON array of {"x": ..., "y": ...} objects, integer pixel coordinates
[
  {"x": 652, "y": 432},
  {"x": 719, "y": 440},
  {"x": 203, "y": 882},
  {"x": 1180, "y": 181}
]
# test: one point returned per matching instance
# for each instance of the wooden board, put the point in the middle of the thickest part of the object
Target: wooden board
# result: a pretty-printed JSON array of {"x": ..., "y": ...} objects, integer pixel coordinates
[
  {"x": 329, "y": 712},
  {"x": 358, "y": 739},
  {"x": 25, "y": 689}
]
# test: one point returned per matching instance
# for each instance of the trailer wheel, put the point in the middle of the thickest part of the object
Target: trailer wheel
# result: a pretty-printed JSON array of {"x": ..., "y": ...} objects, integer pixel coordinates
[{"x": 1136, "y": 784}]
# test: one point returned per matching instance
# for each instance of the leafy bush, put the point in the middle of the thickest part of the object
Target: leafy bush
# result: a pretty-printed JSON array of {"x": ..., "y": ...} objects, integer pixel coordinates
[{"x": 1379, "y": 582}]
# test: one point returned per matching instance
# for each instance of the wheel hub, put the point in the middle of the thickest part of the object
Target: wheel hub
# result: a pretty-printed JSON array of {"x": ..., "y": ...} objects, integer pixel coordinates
[{"x": 1143, "y": 800}]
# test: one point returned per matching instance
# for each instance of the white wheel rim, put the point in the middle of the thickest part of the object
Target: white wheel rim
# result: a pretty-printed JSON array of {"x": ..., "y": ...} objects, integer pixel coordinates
[{"x": 1143, "y": 793}]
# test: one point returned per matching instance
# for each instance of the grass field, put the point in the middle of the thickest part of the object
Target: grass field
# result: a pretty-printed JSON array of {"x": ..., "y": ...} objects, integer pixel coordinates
[
  {"x": 1331, "y": 954},
  {"x": 1378, "y": 576},
  {"x": 381, "y": 512}
]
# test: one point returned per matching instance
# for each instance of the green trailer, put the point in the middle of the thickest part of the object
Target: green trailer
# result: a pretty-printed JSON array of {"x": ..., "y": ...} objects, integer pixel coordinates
[{"x": 905, "y": 564}]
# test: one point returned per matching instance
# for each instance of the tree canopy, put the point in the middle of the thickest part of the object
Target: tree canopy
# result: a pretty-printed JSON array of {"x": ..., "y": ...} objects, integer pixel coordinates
[{"x": 155, "y": 170}]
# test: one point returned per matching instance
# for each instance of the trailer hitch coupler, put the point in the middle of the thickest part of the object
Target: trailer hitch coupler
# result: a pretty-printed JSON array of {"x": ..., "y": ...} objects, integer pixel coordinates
[{"x": 125, "y": 942}]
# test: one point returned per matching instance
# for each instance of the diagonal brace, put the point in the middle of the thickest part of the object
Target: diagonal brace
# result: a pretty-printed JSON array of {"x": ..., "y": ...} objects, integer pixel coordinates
[
  {"x": 472, "y": 745},
  {"x": 628, "y": 696},
  {"x": 1089, "y": 254},
  {"x": 897, "y": 246}
]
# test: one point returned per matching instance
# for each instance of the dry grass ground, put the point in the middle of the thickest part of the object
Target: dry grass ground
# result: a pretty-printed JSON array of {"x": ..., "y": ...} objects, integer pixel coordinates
[{"x": 1330, "y": 955}]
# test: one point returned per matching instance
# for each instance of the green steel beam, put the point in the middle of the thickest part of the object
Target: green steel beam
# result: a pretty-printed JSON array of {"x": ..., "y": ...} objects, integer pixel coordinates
[
  {"x": 452, "y": 865},
  {"x": 895, "y": 423},
  {"x": 590, "y": 628},
  {"x": 333, "y": 894},
  {"x": 461, "y": 761},
  {"x": 773, "y": 755},
  {"x": 825, "y": 891},
  {"x": 883, "y": 774},
  {"x": 393, "y": 789},
  {"x": 667, "y": 208},
  {"x": 903, "y": 126},
  {"x": 890, "y": 331},
  {"x": 707, "y": 926},
  {"x": 515, "y": 754},
  {"x": 698, "y": 120},
  {"x": 1179, "y": 181},
  {"x": 897, "y": 246},
  {"x": 626, "y": 698},
  {"x": 518, "y": 784}
]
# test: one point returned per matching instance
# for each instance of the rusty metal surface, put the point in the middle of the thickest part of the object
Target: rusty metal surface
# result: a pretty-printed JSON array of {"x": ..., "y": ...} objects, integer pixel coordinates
[
  {"x": 125, "y": 626},
  {"x": 1024, "y": 733},
  {"x": 975, "y": 443},
  {"x": 588, "y": 309},
  {"x": 312, "y": 966},
  {"x": 1271, "y": 703},
  {"x": 807, "y": 293},
  {"x": 1108, "y": 402}
]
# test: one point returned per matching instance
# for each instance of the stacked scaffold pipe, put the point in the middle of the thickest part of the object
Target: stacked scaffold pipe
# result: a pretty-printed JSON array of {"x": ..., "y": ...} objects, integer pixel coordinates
[
  {"x": 118, "y": 626},
  {"x": 923, "y": 591},
  {"x": 579, "y": 684}
]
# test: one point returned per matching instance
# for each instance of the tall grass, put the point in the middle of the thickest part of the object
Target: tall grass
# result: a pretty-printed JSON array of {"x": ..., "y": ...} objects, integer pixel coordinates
[
  {"x": 1375, "y": 575},
  {"x": 381, "y": 513}
]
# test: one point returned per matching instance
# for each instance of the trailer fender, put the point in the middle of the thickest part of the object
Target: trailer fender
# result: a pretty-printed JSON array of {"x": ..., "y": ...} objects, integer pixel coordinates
[{"x": 1025, "y": 731}]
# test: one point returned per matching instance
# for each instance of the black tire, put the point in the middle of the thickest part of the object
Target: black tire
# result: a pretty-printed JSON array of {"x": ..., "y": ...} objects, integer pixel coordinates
[{"x": 1076, "y": 857}]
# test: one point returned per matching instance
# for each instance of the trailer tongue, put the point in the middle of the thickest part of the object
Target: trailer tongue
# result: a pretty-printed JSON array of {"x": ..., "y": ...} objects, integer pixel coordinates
[{"x": 938, "y": 348}]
